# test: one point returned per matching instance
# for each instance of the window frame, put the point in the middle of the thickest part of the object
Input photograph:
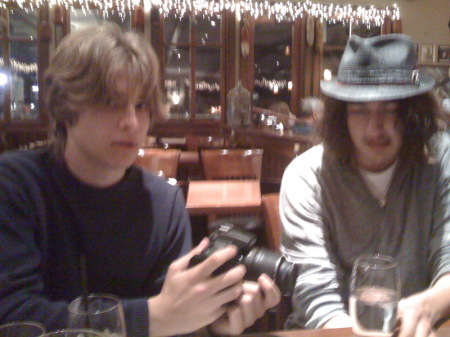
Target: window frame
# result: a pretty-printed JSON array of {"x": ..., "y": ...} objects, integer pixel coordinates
[
  {"x": 43, "y": 37},
  {"x": 226, "y": 54}
]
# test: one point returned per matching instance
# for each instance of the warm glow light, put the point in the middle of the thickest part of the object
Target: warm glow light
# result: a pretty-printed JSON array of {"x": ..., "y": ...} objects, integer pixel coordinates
[
  {"x": 275, "y": 89},
  {"x": 147, "y": 6},
  {"x": 215, "y": 110},
  {"x": 327, "y": 75},
  {"x": 238, "y": 11},
  {"x": 290, "y": 85},
  {"x": 176, "y": 98},
  {"x": 3, "y": 79}
]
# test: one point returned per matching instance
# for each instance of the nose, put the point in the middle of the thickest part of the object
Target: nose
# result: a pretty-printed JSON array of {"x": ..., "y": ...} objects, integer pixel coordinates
[
  {"x": 376, "y": 122},
  {"x": 128, "y": 119}
]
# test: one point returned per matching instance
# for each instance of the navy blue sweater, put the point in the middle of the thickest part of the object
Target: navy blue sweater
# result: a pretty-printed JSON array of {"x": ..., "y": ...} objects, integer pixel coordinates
[{"x": 129, "y": 233}]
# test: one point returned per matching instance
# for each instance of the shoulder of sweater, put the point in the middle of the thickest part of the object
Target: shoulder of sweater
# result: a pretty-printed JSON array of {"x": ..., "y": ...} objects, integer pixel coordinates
[
  {"x": 311, "y": 158},
  {"x": 25, "y": 161},
  {"x": 440, "y": 148}
]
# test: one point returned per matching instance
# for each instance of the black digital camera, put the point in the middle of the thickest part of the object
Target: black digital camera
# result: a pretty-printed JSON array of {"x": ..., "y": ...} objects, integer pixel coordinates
[{"x": 257, "y": 260}]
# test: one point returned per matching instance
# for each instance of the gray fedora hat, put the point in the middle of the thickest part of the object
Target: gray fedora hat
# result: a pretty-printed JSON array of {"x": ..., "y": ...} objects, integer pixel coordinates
[{"x": 379, "y": 68}]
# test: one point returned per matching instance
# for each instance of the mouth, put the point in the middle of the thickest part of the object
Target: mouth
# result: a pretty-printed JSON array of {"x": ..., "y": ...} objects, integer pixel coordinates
[
  {"x": 125, "y": 144},
  {"x": 378, "y": 143}
]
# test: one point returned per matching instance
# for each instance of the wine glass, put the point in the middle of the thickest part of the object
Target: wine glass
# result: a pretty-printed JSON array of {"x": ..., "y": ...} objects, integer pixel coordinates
[
  {"x": 374, "y": 295},
  {"x": 73, "y": 333},
  {"x": 100, "y": 312},
  {"x": 21, "y": 329}
]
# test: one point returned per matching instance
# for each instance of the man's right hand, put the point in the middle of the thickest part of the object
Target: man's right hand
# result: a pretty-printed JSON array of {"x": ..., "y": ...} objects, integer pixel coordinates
[{"x": 192, "y": 298}]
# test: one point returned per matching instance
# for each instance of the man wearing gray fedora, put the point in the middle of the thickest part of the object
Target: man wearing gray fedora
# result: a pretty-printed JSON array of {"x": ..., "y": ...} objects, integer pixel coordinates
[{"x": 378, "y": 184}]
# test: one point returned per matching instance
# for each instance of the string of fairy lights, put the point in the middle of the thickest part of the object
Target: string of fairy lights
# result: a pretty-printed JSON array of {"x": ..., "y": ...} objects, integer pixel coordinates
[
  {"x": 281, "y": 10},
  {"x": 21, "y": 67},
  {"x": 215, "y": 87}
]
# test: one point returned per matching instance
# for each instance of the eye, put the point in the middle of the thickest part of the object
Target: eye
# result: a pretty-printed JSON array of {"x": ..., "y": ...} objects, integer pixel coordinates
[
  {"x": 356, "y": 109},
  {"x": 391, "y": 108},
  {"x": 141, "y": 107},
  {"x": 110, "y": 103}
]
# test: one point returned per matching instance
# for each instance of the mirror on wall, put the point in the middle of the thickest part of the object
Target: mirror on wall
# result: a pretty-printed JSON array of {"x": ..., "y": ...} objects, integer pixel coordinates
[
  {"x": 273, "y": 63},
  {"x": 192, "y": 55},
  {"x": 18, "y": 68}
]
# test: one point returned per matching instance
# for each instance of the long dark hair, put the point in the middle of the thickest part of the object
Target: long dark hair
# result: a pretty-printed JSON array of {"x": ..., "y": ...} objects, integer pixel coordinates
[{"x": 418, "y": 114}]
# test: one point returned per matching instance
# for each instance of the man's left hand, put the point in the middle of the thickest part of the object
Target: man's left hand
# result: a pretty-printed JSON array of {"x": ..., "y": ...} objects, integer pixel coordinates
[
  {"x": 256, "y": 298},
  {"x": 419, "y": 313}
]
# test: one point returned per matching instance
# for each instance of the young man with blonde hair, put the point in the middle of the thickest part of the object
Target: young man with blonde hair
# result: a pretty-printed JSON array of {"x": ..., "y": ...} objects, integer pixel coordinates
[{"x": 82, "y": 199}]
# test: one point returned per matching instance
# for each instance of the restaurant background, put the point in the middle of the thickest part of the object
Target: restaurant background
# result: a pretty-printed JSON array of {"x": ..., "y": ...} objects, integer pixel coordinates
[{"x": 202, "y": 59}]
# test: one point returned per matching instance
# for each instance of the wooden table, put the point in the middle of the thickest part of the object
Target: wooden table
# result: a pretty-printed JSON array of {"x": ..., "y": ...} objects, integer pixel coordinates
[
  {"x": 189, "y": 157},
  {"x": 210, "y": 197},
  {"x": 443, "y": 331}
]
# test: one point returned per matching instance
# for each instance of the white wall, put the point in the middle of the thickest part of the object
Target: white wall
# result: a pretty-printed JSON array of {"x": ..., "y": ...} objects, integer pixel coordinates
[{"x": 426, "y": 20}]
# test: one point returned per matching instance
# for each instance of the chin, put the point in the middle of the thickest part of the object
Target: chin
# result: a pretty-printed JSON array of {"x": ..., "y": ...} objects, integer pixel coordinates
[{"x": 124, "y": 163}]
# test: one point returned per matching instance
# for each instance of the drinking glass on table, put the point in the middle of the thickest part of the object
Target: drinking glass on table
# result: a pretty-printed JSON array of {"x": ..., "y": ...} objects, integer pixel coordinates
[
  {"x": 74, "y": 333},
  {"x": 99, "y": 312},
  {"x": 374, "y": 295},
  {"x": 21, "y": 329}
]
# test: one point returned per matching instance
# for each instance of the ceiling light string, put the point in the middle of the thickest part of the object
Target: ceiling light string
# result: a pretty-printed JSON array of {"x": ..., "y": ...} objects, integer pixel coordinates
[{"x": 280, "y": 10}]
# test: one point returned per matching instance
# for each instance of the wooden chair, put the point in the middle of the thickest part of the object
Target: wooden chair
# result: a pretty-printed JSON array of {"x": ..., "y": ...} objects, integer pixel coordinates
[
  {"x": 160, "y": 161},
  {"x": 200, "y": 142},
  {"x": 273, "y": 227},
  {"x": 271, "y": 212},
  {"x": 220, "y": 164},
  {"x": 232, "y": 163}
]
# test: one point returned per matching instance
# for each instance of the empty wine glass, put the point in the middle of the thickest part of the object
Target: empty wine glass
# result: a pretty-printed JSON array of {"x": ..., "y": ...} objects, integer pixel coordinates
[
  {"x": 73, "y": 333},
  {"x": 374, "y": 295},
  {"x": 100, "y": 312},
  {"x": 21, "y": 329}
]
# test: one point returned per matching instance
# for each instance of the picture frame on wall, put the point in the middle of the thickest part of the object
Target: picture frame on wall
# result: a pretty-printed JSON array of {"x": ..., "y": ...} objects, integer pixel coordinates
[
  {"x": 427, "y": 53},
  {"x": 443, "y": 54}
]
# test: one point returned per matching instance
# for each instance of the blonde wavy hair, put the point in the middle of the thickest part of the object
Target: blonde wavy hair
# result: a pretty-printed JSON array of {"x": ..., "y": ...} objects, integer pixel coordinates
[{"x": 86, "y": 68}]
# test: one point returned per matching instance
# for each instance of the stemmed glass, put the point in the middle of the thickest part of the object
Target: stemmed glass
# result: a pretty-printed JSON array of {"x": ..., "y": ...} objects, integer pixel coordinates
[
  {"x": 374, "y": 295},
  {"x": 21, "y": 329},
  {"x": 100, "y": 312}
]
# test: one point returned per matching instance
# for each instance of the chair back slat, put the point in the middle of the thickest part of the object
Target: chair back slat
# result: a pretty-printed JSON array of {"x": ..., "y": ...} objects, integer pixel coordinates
[
  {"x": 160, "y": 160},
  {"x": 232, "y": 163},
  {"x": 272, "y": 221},
  {"x": 199, "y": 142}
]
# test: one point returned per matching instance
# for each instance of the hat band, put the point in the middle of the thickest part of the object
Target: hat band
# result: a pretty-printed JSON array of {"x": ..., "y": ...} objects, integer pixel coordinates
[{"x": 379, "y": 76}]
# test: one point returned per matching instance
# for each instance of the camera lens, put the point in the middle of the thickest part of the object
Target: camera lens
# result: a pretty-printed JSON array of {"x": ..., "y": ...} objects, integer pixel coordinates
[{"x": 261, "y": 260}]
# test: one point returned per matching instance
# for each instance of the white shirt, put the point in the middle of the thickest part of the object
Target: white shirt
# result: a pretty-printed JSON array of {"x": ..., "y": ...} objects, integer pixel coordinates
[{"x": 378, "y": 182}]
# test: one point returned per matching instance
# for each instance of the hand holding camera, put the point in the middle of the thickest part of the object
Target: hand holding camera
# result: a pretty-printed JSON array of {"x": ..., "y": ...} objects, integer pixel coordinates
[
  {"x": 257, "y": 260},
  {"x": 191, "y": 298}
]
